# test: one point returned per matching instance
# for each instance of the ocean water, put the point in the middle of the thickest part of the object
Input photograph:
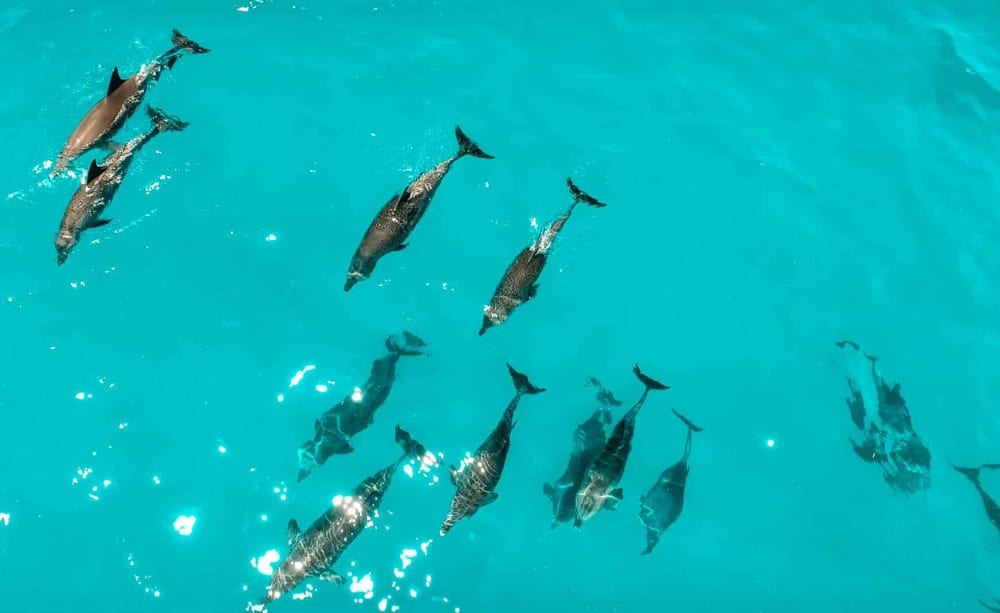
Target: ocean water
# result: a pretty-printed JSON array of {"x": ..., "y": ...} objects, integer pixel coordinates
[{"x": 778, "y": 177}]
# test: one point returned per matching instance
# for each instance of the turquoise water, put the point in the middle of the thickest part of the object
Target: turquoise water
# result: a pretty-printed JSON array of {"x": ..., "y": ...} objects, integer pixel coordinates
[{"x": 779, "y": 177}]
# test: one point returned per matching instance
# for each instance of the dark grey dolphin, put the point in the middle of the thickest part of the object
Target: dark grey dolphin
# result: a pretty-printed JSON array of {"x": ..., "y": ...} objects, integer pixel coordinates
[
  {"x": 519, "y": 283},
  {"x": 123, "y": 97},
  {"x": 396, "y": 220},
  {"x": 599, "y": 487},
  {"x": 660, "y": 507},
  {"x": 888, "y": 437},
  {"x": 477, "y": 479},
  {"x": 88, "y": 203},
  {"x": 996, "y": 608},
  {"x": 338, "y": 424},
  {"x": 588, "y": 440},
  {"x": 312, "y": 553},
  {"x": 990, "y": 505}
]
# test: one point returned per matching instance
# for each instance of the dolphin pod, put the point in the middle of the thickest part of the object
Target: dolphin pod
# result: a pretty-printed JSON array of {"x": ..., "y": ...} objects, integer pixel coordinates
[{"x": 885, "y": 435}]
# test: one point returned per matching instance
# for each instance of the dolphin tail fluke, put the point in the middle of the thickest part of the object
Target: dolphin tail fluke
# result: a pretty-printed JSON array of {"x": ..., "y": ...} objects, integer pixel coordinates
[
  {"x": 581, "y": 196},
  {"x": 687, "y": 422},
  {"x": 183, "y": 43},
  {"x": 522, "y": 384},
  {"x": 163, "y": 122},
  {"x": 971, "y": 473},
  {"x": 649, "y": 382},
  {"x": 604, "y": 395},
  {"x": 405, "y": 344},
  {"x": 410, "y": 445},
  {"x": 467, "y": 147}
]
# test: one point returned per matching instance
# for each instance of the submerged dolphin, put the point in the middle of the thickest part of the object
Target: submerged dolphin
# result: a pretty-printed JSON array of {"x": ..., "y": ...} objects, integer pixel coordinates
[
  {"x": 519, "y": 283},
  {"x": 599, "y": 487},
  {"x": 338, "y": 424},
  {"x": 477, "y": 479},
  {"x": 312, "y": 553},
  {"x": 123, "y": 97},
  {"x": 88, "y": 203},
  {"x": 660, "y": 507},
  {"x": 888, "y": 437},
  {"x": 399, "y": 216},
  {"x": 588, "y": 440},
  {"x": 990, "y": 505}
]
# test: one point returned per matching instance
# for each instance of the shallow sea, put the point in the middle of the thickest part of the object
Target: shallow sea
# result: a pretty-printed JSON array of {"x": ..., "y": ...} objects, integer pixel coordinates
[{"x": 778, "y": 177}]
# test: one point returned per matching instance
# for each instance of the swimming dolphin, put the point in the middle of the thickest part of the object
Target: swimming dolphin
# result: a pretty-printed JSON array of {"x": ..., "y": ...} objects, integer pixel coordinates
[
  {"x": 352, "y": 415},
  {"x": 519, "y": 283},
  {"x": 660, "y": 507},
  {"x": 996, "y": 608},
  {"x": 599, "y": 487},
  {"x": 888, "y": 437},
  {"x": 477, "y": 479},
  {"x": 588, "y": 440},
  {"x": 399, "y": 216},
  {"x": 88, "y": 203},
  {"x": 312, "y": 553},
  {"x": 990, "y": 505},
  {"x": 124, "y": 96}
]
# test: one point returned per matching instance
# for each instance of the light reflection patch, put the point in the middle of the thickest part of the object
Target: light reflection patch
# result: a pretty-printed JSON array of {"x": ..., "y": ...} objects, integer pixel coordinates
[
  {"x": 5, "y": 519},
  {"x": 184, "y": 524},
  {"x": 265, "y": 563}
]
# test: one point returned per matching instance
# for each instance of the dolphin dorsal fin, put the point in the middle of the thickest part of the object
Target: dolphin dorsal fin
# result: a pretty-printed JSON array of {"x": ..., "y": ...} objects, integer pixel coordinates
[
  {"x": 116, "y": 81},
  {"x": 95, "y": 171},
  {"x": 294, "y": 534}
]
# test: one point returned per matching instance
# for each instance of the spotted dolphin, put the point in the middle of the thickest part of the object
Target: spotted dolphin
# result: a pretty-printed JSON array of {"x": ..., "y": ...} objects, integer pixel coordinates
[
  {"x": 519, "y": 283},
  {"x": 477, "y": 479},
  {"x": 399, "y": 216},
  {"x": 122, "y": 99},
  {"x": 599, "y": 488},
  {"x": 989, "y": 504},
  {"x": 660, "y": 507},
  {"x": 314, "y": 552},
  {"x": 88, "y": 203},
  {"x": 335, "y": 428},
  {"x": 589, "y": 439}
]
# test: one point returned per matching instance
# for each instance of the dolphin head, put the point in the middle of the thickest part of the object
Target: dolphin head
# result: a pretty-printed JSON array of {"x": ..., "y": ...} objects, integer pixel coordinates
[
  {"x": 64, "y": 244},
  {"x": 493, "y": 315},
  {"x": 361, "y": 269},
  {"x": 652, "y": 538}
]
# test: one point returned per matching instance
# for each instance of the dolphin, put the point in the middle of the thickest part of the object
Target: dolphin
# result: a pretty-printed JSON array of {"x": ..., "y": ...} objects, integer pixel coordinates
[
  {"x": 519, "y": 283},
  {"x": 990, "y": 505},
  {"x": 660, "y": 507},
  {"x": 996, "y": 608},
  {"x": 599, "y": 488},
  {"x": 588, "y": 440},
  {"x": 88, "y": 203},
  {"x": 352, "y": 415},
  {"x": 888, "y": 437},
  {"x": 477, "y": 479},
  {"x": 122, "y": 99},
  {"x": 312, "y": 553},
  {"x": 396, "y": 220}
]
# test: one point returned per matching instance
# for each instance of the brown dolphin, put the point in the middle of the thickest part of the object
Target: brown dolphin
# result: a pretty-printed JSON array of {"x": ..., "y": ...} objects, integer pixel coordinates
[
  {"x": 90, "y": 200},
  {"x": 397, "y": 219},
  {"x": 122, "y": 99},
  {"x": 519, "y": 282}
]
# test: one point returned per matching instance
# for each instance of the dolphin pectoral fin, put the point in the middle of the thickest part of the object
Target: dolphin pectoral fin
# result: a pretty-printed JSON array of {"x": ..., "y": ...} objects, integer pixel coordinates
[
  {"x": 94, "y": 171},
  {"x": 294, "y": 534},
  {"x": 97, "y": 223},
  {"x": 454, "y": 475},
  {"x": 529, "y": 292},
  {"x": 330, "y": 576},
  {"x": 115, "y": 82},
  {"x": 549, "y": 490},
  {"x": 612, "y": 499},
  {"x": 402, "y": 246},
  {"x": 488, "y": 498}
]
